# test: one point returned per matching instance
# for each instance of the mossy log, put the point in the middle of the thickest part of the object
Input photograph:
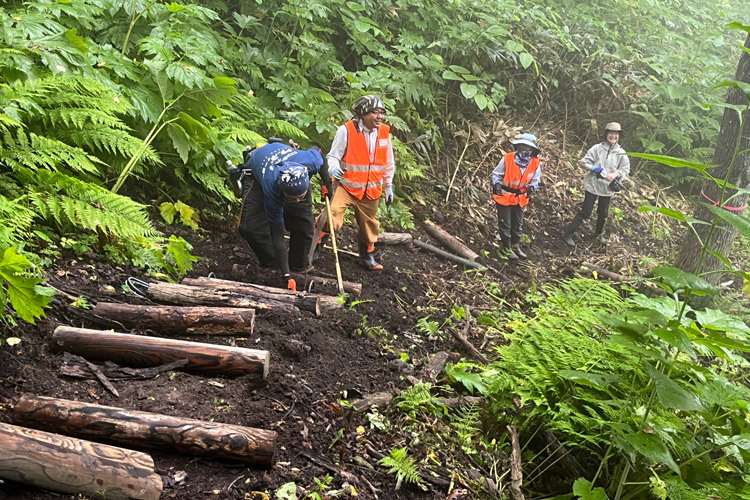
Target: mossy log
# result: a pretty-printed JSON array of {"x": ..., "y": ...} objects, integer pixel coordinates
[
  {"x": 141, "y": 351},
  {"x": 146, "y": 430},
  {"x": 75, "y": 466}
]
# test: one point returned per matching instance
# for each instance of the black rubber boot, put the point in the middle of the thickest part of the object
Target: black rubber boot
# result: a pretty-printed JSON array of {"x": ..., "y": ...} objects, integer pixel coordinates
[
  {"x": 520, "y": 253},
  {"x": 508, "y": 251},
  {"x": 368, "y": 258},
  {"x": 571, "y": 228},
  {"x": 568, "y": 239},
  {"x": 319, "y": 247}
]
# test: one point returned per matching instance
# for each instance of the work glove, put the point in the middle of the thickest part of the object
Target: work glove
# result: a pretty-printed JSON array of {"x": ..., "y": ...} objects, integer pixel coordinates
[
  {"x": 597, "y": 170},
  {"x": 336, "y": 173},
  {"x": 611, "y": 176},
  {"x": 497, "y": 189},
  {"x": 388, "y": 195},
  {"x": 530, "y": 190},
  {"x": 325, "y": 193},
  {"x": 289, "y": 282}
]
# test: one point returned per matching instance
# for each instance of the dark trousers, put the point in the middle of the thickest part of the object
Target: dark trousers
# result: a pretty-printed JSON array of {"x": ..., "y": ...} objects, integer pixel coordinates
[
  {"x": 254, "y": 228},
  {"x": 602, "y": 210},
  {"x": 510, "y": 223}
]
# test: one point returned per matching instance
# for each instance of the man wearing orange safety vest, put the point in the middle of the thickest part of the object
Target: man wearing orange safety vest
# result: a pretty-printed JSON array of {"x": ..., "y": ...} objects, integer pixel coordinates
[
  {"x": 513, "y": 180},
  {"x": 361, "y": 159}
]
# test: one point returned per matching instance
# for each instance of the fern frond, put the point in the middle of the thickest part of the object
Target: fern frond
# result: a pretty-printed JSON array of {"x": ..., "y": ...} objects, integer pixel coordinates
[
  {"x": 15, "y": 222},
  {"x": 83, "y": 117},
  {"x": 116, "y": 142},
  {"x": 403, "y": 466},
  {"x": 88, "y": 206},
  {"x": 35, "y": 152}
]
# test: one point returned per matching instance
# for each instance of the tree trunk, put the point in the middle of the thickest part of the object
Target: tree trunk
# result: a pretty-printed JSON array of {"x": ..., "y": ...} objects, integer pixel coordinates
[
  {"x": 200, "y": 295},
  {"x": 305, "y": 301},
  {"x": 189, "y": 320},
  {"x": 75, "y": 466},
  {"x": 449, "y": 256},
  {"x": 138, "y": 350},
  {"x": 395, "y": 238},
  {"x": 146, "y": 430},
  {"x": 724, "y": 235},
  {"x": 449, "y": 241}
]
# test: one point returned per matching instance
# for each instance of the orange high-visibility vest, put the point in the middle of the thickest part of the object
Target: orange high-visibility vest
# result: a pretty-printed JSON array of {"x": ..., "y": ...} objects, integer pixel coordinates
[
  {"x": 514, "y": 180},
  {"x": 363, "y": 177}
]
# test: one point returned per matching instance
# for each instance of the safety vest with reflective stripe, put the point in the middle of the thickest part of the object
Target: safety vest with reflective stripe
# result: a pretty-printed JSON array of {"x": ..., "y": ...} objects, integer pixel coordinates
[
  {"x": 514, "y": 180},
  {"x": 362, "y": 176}
]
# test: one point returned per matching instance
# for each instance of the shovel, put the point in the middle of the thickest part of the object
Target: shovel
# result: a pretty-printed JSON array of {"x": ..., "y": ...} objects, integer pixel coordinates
[{"x": 339, "y": 280}]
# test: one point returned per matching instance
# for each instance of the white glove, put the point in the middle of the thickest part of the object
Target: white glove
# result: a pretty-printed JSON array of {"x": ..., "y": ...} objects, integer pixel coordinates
[{"x": 336, "y": 173}]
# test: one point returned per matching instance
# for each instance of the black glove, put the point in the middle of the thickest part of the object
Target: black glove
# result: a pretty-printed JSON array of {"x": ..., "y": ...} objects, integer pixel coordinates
[
  {"x": 530, "y": 190},
  {"x": 497, "y": 189}
]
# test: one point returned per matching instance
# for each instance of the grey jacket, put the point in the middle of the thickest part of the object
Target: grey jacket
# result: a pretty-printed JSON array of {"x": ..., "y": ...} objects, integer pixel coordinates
[{"x": 612, "y": 159}]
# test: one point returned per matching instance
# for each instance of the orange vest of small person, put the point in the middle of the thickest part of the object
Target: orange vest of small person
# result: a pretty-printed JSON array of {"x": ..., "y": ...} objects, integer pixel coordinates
[
  {"x": 513, "y": 179},
  {"x": 362, "y": 176}
]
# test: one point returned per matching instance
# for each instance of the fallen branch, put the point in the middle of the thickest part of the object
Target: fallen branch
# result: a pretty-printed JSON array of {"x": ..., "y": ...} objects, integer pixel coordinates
[
  {"x": 449, "y": 256},
  {"x": 77, "y": 367},
  {"x": 102, "y": 378},
  {"x": 435, "y": 367},
  {"x": 451, "y": 242},
  {"x": 463, "y": 339}
]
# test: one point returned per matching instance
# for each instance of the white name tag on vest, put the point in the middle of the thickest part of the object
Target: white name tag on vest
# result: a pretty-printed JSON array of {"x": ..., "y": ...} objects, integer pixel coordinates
[{"x": 382, "y": 143}]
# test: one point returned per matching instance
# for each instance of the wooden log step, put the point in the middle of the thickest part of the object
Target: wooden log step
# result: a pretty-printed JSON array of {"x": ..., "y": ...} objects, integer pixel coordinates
[
  {"x": 200, "y": 295},
  {"x": 75, "y": 466},
  {"x": 395, "y": 239},
  {"x": 349, "y": 286},
  {"x": 146, "y": 430},
  {"x": 449, "y": 256},
  {"x": 305, "y": 301},
  {"x": 190, "y": 320},
  {"x": 140, "y": 351},
  {"x": 449, "y": 241}
]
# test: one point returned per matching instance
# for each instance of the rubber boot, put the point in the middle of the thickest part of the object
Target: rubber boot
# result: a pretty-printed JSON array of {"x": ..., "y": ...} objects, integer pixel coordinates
[
  {"x": 571, "y": 228},
  {"x": 508, "y": 251},
  {"x": 600, "y": 238},
  {"x": 324, "y": 237},
  {"x": 520, "y": 253},
  {"x": 367, "y": 257},
  {"x": 568, "y": 239}
]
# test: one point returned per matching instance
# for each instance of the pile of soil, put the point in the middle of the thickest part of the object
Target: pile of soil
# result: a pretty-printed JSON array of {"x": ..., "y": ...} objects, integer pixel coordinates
[{"x": 316, "y": 362}]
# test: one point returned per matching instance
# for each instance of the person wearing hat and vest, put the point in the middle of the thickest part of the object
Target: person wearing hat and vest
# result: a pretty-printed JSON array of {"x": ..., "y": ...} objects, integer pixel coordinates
[
  {"x": 514, "y": 179},
  {"x": 361, "y": 159},
  {"x": 276, "y": 196},
  {"x": 606, "y": 166}
]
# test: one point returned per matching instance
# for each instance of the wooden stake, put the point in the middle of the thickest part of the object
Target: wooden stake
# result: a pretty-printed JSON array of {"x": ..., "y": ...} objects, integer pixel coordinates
[
  {"x": 75, "y": 466},
  {"x": 138, "y": 350},
  {"x": 146, "y": 430},
  {"x": 339, "y": 281}
]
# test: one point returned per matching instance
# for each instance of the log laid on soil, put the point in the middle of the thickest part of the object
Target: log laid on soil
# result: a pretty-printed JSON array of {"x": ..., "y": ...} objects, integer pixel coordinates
[
  {"x": 395, "y": 239},
  {"x": 305, "y": 301},
  {"x": 450, "y": 242},
  {"x": 192, "y": 320},
  {"x": 137, "y": 350},
  {"x": 449, "y": 256},
  {"x": 148, "y": 430},
  {"x": 349, "y": 286},
  {"x": 201, "y": 295},
  {"x": 75, "y": 466}
]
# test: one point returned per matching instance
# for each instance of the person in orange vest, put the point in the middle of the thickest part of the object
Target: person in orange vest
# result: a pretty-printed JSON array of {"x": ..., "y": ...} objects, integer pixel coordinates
[
  {"x": 361, "y": 159},
  {"x": 514, "y": 179}
]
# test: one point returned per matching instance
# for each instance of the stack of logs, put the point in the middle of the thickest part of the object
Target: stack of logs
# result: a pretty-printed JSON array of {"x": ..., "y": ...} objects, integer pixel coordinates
[{"x": 73, "y": 465}]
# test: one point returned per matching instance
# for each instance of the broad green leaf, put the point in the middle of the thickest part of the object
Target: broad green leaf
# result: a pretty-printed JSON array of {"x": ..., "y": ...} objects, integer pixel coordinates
[
  {"x": 362, "y": 26},
  {"x": 468, "y": 90},
  {"x": 651, "y": 447},
  {"x": 514, "y": 46},
  {"x": 678, "y": 279},
  {"x": 597, "y": 380},
  {"x": 526, "y": 59},
  {"x": 450, "y": 75},
  {"x": 27, "y": 298},
  {"x": 459, "y": 69},
  {"x": 739, "y": 26},
  {"x": 585, "y": 490},
  {"x": 167, "y": 211},
  {"x": 672, "y": 213},
  {"x": 481, "y": 101},
  {"x": 77, "y": 41},
  {"x": 471, "y": 381},
  {"x": 741, "y": 223},
  {"x": 355, "y": 6},
  {"x": 671, "y": 394},
  {"x": 743, "y": 86},
  {"x": 719, "y": 340},
  {"x": 675, "y": 336},
  {"x": 287, "y": 491},
  {"x": 180, "y": 140},
  {"x": 673, "y": 162},
  {"x": 719, "y": 320}
]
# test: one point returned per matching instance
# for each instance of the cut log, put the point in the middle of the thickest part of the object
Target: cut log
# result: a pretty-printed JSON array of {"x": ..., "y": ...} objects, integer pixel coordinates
[
  {"x": 349, "y": 286},
  {"x": 448, "y": 256},
  {"x": 305, "y": 301},
  {"x": 201, "y": 295},
  {"x": 191, "y": 320},
  {"x": 395, "y": 239},
  {"x": 75, "y": 466},
  {"x": 450, "y": 242},
  {"x": 146, "y": 430},
  {"x": 435, "y": 367},
  {"x": 138, "y": 351}
]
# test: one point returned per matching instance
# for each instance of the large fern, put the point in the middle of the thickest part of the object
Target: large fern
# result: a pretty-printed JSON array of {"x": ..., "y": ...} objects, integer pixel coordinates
[{"x": 403, "y": 466}]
